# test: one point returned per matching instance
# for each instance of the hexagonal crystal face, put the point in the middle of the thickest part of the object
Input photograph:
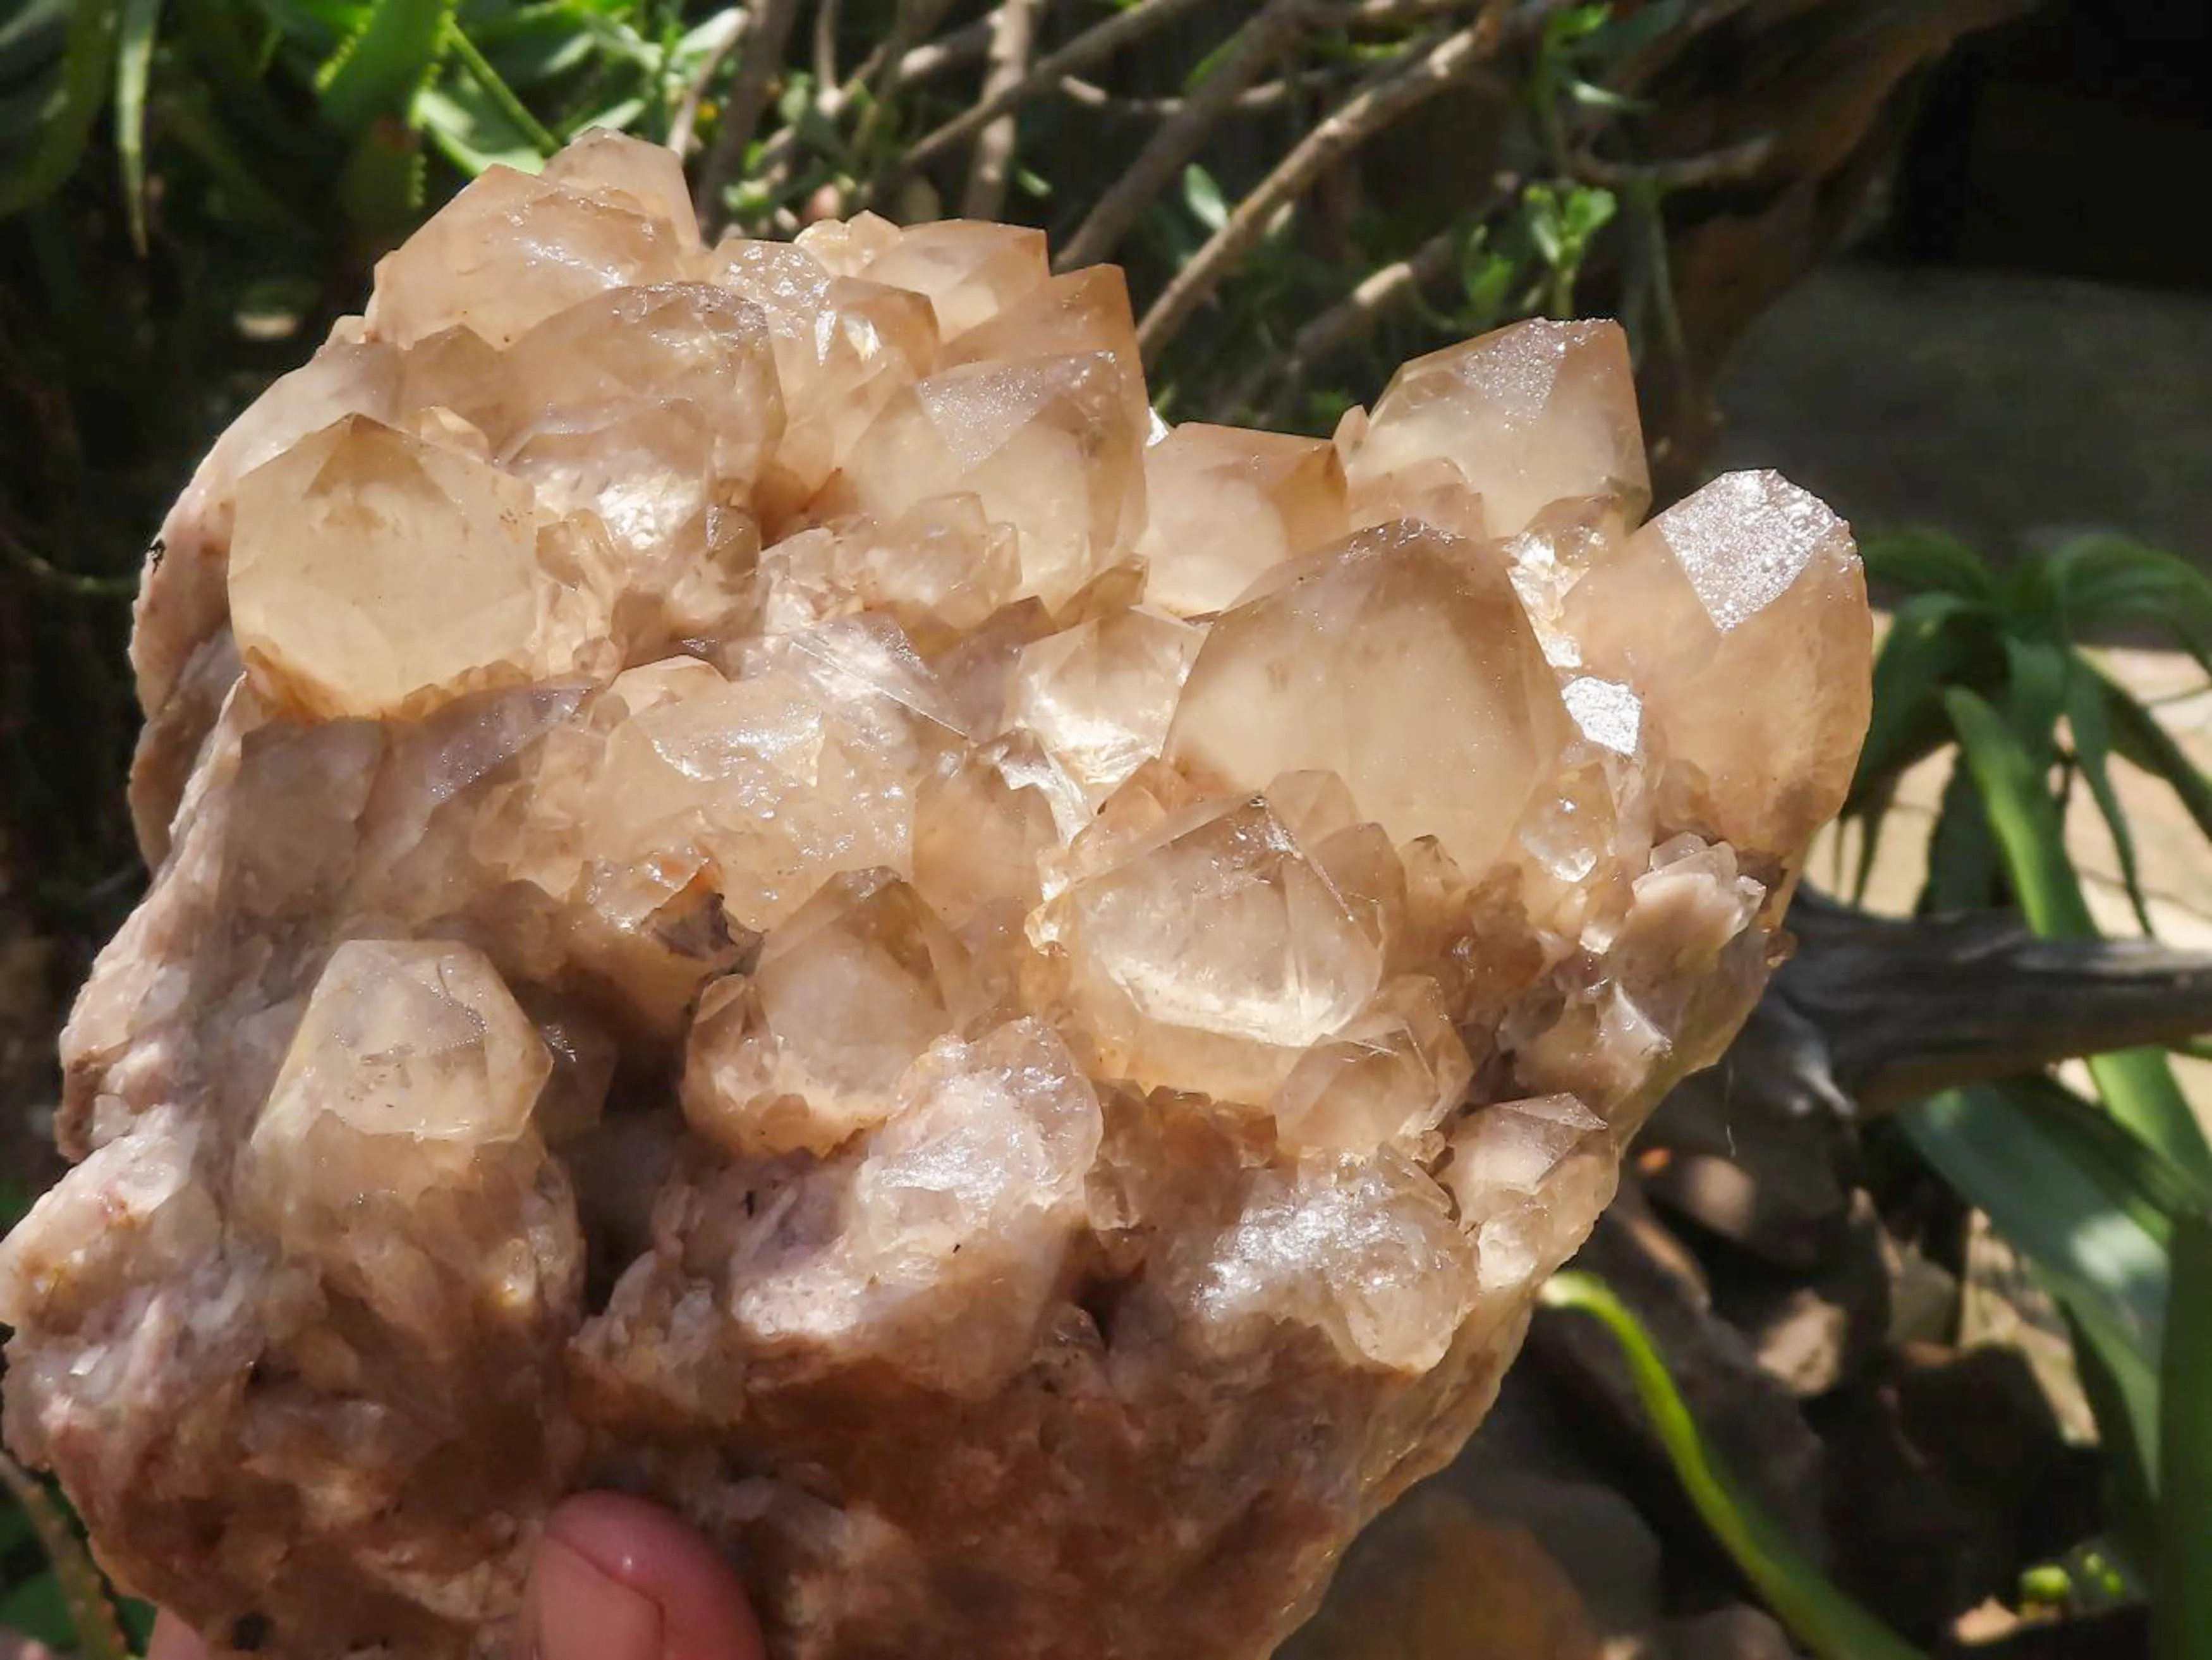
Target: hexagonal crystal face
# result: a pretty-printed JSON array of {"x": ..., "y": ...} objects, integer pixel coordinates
[{"x": 769, "y": 890}]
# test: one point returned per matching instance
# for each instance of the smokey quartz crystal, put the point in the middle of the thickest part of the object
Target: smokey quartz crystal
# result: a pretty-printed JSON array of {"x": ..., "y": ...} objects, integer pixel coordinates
[{"x": 765, "y": 895}]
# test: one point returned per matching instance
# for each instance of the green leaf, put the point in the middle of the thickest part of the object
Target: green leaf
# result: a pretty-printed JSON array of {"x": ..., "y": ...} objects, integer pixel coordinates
[
  {"x": 471, "y": 131},
  {"x": 1922, "y": 559},
  {"x": 2181, "y": 1610},
  {"x": 1818, "y": 1614},
  {"x": 2052, "y": 1190},
  {"x": 1963, "y": 863},
  {"x": 379, "y": 71},
  {"x": 2142, "y": 738},
  {"x": 66, "y": 110},
  {"x": 2136, "y": 1084},
  {"x": 2092, "y": 749},
  {"x": 2103, "y": 582},
  {"x": 133, "y": 58},
  {"x": 487, "y": 79},
  {"x": 1933, "y": 641},
  {"x": 1202, "y": 196}
]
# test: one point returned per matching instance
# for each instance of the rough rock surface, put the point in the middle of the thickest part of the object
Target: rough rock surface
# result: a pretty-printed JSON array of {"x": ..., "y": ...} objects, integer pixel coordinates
[{"x": 766, "y": 894}]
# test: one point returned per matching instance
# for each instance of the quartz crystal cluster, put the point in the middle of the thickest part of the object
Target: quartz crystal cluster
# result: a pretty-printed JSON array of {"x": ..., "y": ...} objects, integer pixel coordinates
[{"x": 767, "y": 892}]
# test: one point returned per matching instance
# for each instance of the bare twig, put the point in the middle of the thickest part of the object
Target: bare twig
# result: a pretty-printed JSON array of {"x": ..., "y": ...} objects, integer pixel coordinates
[
  {"x": 949, "y": 51},
  {"x": 766, "y": 32},
  {"x": 1014, "y": 30},
  {"x": 1720, "y": 167},
  {"x": 825, "y": 43},
  {"x": 1272, "y": 31},
  {"x": 687, "y": 113},
  {"x": 1087, "y": 48},
  {"x": 1382, "y": 102},
  {"x": 927, "y": 62},
  {"x": 1381, "y": 13},
  {"x": 915, "y": 19},
  {"x": 1267, "y": 95},
  {"x": 1904, "y": 1008}
]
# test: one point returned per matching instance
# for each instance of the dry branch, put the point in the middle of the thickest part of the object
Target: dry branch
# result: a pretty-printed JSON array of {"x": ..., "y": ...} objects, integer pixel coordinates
[
  {"x": 1093, "y": 44},
  {"x": 1896, "y": 1009},
  {"x": 1012, "y": 36},
  {"x": 1384, "y": 101},
  {"x": 762, "y": 54},
  {"x": 1272, "y": 31}
]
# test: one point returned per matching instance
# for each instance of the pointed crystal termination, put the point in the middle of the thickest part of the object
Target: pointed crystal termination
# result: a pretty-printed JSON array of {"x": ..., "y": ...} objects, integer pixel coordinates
[
  {"x": 1400, "y": 661},
  {"x": 1739, "y": 616},
  {"x": 1530, "y": 415},
  {"x": 769, "y": 892}
]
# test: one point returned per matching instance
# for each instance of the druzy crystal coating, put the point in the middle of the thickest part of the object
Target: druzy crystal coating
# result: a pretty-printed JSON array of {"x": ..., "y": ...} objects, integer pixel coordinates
[{"x": 766, "y": 893}]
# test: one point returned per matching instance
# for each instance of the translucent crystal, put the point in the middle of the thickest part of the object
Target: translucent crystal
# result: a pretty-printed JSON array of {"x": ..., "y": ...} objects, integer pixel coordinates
[
  {"x": 1396, "y": 660},
  {"x": 1047, "y": 444},
  {"x": 511, "y": 250},
  {"x": 1529, "y": 415},
  {"x": 1750, "y": 582},
  {"x": 847, "y": 995},
  {"x": 969, "y": 271},
  {"x": 372, "y": 573},
  {"x": 1099, "y": 696},
  {"x": 1212, "y": 955},
  {"x": 766, "y": 892},
  {"x": 1224, "y": 507},
  {"x": 1528, "y": 1179}
]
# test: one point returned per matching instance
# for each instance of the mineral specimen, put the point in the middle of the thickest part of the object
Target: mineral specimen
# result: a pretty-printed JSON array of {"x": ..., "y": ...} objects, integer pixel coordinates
[{"x": 765, "y": 893}]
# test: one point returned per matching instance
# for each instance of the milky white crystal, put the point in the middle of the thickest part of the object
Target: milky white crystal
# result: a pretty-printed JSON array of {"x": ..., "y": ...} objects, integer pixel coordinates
[{"x": 765, "y": 897}]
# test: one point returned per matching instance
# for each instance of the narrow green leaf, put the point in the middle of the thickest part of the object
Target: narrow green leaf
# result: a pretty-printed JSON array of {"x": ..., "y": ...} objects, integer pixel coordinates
[
  {"x": 2137, "y": 1085},
  {"x": 67, "y": 110},
  {"x": 501, "y": 95},
  {"x": 134, "y": 59},
  {"x": 1963, "y": 865},
  {"x": 1932, "y": 643},
  {"x": 1922, "y": 559},
  {"x": 2181, "y": 1610},
  {"x": 1202, "y": 196},
  {"x": 2142, "y": 738},
  {"x": 1817, "y": 1614},
  {"x": 2093, "y": 748}
]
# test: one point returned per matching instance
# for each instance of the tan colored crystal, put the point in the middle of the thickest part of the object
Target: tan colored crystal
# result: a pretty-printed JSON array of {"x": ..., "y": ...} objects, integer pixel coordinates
[
  {"x": 1099, "y": 696},
  {"x": 512, "y": 250},
  {"x": 847, "y": 995},
  {"x": 1749, "y": 583},
  {"x": 372, "y": 573},
  {"x": 968, "y": 271},
  {"x": 1398, "y": 660},
  {"x": 1529, "y": 415},
  {"x": 1224, "y": 507},
  {"x": 1047, "y": 444},
  {"x": 766, "y": 892},
  {"x": 1211, "y": 956}
]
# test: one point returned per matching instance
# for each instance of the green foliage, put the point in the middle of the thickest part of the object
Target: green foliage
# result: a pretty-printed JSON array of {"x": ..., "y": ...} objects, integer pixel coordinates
[{"x": 2108, "y": 1202}]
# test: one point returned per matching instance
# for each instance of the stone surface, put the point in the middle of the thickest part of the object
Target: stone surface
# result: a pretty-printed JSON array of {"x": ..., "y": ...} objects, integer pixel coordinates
[{"x": 760, "y": 902}]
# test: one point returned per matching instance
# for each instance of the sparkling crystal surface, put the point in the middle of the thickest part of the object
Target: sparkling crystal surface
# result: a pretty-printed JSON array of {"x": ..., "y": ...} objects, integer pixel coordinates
[{"x": 760, "y": 902}]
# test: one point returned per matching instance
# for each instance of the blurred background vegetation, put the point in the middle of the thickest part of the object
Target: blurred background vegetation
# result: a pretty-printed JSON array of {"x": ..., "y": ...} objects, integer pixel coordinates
[{"x": 1305, "y": 193}]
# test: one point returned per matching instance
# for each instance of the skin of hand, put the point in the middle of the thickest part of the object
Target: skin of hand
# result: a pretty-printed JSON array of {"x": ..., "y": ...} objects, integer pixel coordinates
[{"x": 614, "y": 1578}]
